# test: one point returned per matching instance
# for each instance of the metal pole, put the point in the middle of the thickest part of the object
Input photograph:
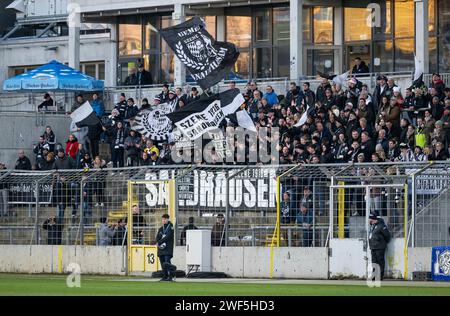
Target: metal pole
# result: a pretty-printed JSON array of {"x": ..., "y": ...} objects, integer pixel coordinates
[
  {"x": 314, "y": 213},
  {"x": 413, "y": 211},
  {"x": 330, "y": 229},
  {"x": 227, "y": 211},
  {"x": 36, "y": 213},
  {"x": 81, "y": 225}
]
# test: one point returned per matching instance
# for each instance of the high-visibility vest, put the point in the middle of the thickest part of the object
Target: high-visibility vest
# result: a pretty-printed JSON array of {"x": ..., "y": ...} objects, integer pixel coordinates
[{"x": 420, "y": 138}]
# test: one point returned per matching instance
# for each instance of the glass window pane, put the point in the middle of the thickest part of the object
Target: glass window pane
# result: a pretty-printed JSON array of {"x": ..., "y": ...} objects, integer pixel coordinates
[
  {"x": 404, "y": 54},
  {"x": 385, "y": 21},
  {"x": 151, "y": 34},
  {"x": 306, "y": 24},
  {"x": 431, "y": 16},
  {"x": 356, "y": 27},
  {"x": 382, "y": 56},
  {"x": 210, "y": 22},
  {"x": 89, "y": 69},
  {"x": 239, "y": 30},
  {"x": 126, "y": 68},
  {"x": 262, "y": 23},
  {"x": 323, "y": 60},
  {"x": 282, "y": 61},
  {"x": 154, "y": 65},
  {"x": 432, "y": 46},
  {"x": 281, "y": 24},
  {"x": 323, "y": 24},
  {"x": 241, "y": 68},
  {"x": 444, "y": 53},
  {"x": 101, "y": 71},
  {"x": 404, "y": 18},
  {"x": 167, "y": 68},
  {"x": 262, "y": 62},
  {"x": 130, "y": 38},
  {"x": 444, "y": 17}
]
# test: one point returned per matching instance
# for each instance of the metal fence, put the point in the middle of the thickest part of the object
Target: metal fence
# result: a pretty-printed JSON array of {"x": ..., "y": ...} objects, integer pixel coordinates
[{"x": 286, "y": 205}]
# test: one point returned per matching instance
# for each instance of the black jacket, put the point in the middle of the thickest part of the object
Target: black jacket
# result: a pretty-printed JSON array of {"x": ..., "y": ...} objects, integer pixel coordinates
[
  {"x": 23, "y": 164},
  {"x": 379, "y": 235},
  {"x": 165, "y": 236},
  {"x": 362, "y": 69},
  {"x": 54, "y": 230},
  {"x": 144, "y": 78}
]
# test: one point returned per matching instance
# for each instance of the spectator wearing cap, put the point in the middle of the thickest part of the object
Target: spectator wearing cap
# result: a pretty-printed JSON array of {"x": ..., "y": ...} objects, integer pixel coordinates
[
  {"x": 121, "y": 106},
  {"x": 164, "y": 95},
  {"x": 353, "y": 92},
  {"x": 63, "y": 162},
  {"x": 145, "y": 105},
  {"x": 194, "y": 96},
  {"x": 172, "y": 95},
  {"x": 157, "y": 100},
  {"x": 379, "y": 237},
  {"x": 360, "y": 67},
  {"x": 78, "y": 102},
  {"x": 143, "y": 76},
  {"x": 271, "y": 96},
  {"x": 48, "y": 101},
  {"x": 381, "y": 90}
]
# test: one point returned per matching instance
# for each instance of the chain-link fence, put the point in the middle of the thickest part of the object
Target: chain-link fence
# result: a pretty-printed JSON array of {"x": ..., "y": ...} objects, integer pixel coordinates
[{"x": 302, "y": 205}]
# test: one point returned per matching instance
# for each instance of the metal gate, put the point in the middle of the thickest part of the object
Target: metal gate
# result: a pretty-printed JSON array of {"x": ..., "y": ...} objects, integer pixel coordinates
[
  {"x": 144, "y": 219},
  {"x": 350, "y": 207}
]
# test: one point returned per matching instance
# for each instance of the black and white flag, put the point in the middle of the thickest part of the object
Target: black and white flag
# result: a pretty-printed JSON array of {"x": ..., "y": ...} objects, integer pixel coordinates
[
  {"x": 84, "y": 116},
  {"x": 154, "y": 123},
  {"x": 208, "y": 60},
  {"x": 206, "y": 114},
  {"x": 418, "y": 73}
]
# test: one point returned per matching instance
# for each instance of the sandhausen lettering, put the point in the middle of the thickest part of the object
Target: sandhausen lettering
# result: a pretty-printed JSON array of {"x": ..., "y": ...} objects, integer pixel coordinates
[
  {"x": 205, "y": 189},
  {"x": 196, "y": 124}
]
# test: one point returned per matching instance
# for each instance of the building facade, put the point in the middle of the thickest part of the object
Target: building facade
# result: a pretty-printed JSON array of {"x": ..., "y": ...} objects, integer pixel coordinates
[{"x": 276, "y": 38}]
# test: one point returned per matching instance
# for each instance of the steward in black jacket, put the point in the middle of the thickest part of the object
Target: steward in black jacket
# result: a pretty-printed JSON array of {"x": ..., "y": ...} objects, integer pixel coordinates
[
  {"x": 379, "y": 237},
  {"x": 164, "y": 241}
]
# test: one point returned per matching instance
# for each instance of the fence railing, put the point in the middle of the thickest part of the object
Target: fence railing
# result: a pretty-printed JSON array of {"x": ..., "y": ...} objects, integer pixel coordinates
[{"x": 73, "y": 206}]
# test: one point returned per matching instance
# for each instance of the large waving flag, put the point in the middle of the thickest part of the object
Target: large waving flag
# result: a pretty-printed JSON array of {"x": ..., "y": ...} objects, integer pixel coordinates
[
  {"x": 85, "y": 116},
  {"x": 207, "y": 60}
]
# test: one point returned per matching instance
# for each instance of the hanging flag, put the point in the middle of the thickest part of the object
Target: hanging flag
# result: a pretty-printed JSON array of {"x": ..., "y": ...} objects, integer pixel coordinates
[
  {"x": 84, "y": 115},
  {"x": 303, "y": 119},
  {"x": 337, "y": 79},
  {"x": 243, "y": 119},
  {"x": 206, "y": 114},
  {"x": 154, "y": 123},
  {"x": 208, "y": 60},
  {"x": 418, "y": 73}
]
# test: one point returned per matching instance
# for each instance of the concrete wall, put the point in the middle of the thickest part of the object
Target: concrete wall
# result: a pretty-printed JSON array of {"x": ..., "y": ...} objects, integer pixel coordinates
[
  {"x": 30, "y": 126},
  {"x": 45, "y": 259},
  {"x": 239, "y": 262},
  {"x": 419, "y": 259}
]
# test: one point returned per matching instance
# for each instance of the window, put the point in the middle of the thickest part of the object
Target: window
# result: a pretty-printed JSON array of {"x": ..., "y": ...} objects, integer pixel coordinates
[
  {"x": 382, "y": 56},
  {"x": 404, "y": 54},
  {"x": 323, "y": 25},
  {"x": 404, "y": 19},
  {"x": 130, "y": 39},
  {"x": 306, "y": 25},
  {"x": 356, "y": 27},
  {"x": 281, "y": 25},
  {"x": 94, "y": 69},
  {"x": 444, "y": 35},
  {"x": 385, "y": 20},
  {"x": 432, "y": 47},
  {"x": 262, "y": 24},
  {"x": 239, "y": 30}
]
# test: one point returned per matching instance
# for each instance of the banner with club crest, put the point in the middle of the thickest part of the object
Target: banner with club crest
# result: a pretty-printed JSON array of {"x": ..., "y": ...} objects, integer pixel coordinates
[
  {"x": 154, "y": 123},
  {"x": 208, "y": 60}
]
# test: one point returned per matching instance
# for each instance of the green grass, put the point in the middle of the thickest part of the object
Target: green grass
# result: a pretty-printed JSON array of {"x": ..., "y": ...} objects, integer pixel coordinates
[{"x": 23, "y": 284}]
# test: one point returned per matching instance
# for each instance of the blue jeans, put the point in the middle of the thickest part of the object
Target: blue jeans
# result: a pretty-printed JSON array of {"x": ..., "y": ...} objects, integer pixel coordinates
[
  {"x": 61, "y": 209},
  {"x": 87, "y": 212}
]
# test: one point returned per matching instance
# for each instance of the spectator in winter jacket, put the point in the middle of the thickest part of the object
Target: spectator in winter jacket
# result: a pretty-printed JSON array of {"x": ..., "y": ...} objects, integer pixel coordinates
[
  {"x": 48, "y": 101},
  {"x": 78, "y": 102},
  {"x": 63, "y": 162},
  {"x": 305, "y": 216},
  {"x": 271, "y": 96},
  {"x": 164, "y": 95},
  {"x": 97, "y": 105},
  {"x": 309, "y": 97},
  {"x": 117, "y": 136},
  {"x": 49, "y": 162},
  {"x": 217, "y": 232},
  {"x": 133, "y": 149},
  {"x": 39, "y": 151},
  {"x": 54, "y": 231},
  {"x": 105, "y": 233},
  {"x": 320, "y": 92},
  {"x": 50, "y": 138},
  {"x": 360, "y": 67},
  {"x": 72, "y": 146},
  {"x": 143, "y": 76},
  {"x": 22, "y": 163}
]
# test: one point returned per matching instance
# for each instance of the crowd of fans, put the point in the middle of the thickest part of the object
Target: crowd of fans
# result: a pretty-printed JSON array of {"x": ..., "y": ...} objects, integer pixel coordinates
[{"x": 344, "y": 124}]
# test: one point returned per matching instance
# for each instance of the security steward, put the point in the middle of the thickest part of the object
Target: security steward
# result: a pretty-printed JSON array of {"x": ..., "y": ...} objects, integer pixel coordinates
[
  {"x": 379, "y": 237},
  {"x": 164, "y": 239}
]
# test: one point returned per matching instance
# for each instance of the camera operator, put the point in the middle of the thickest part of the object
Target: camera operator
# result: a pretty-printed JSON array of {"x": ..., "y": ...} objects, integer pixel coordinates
[{"x": 164, "y": 239}]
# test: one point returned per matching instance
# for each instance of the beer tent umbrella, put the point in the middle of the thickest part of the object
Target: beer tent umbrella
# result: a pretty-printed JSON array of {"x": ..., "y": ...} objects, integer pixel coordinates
[{"x": 53, "y": 76}]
